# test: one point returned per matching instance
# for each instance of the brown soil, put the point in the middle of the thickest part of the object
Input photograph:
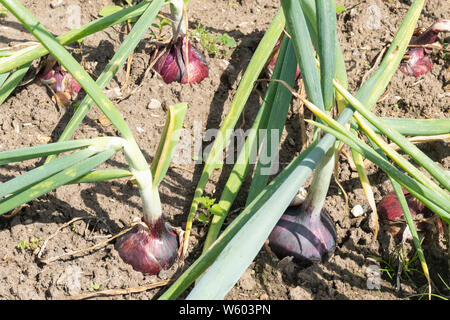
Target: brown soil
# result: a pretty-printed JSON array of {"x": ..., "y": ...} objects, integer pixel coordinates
[{"x": 29, "y": 117}]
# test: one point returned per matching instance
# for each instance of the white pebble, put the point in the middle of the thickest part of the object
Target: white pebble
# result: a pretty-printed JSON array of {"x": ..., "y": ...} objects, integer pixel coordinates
[
  {"x": 357, "y": 211},
  {"x": 113, "y": 93},
  {"x": 154, "y": 104},
  {"x": 140, "y": 130}
]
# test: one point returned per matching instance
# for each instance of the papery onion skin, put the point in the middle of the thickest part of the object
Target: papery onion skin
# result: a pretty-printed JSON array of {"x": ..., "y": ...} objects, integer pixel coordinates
[
  {"x": 172, "y": 64},
  {"x": 299, "y": 235},
  {"x": 273, "y": 61},
  {"x": 390, "y": 209},
  {"x": 420, "y": 62},
  {"x": 167, "y": 66},
  {"x": 149, "y": 250},
  {"x": 59, "y": 80}
]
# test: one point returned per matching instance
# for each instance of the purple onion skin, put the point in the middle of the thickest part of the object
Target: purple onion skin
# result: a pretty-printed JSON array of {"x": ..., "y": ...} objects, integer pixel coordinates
[
  {"x": 299, "y": 235},
  {"x": 390, "y": 209},
  {"x": 59, "y": 80},
  {"x": 149, "y": 250},
  {"x": 420, "y": 62},
  {"x": 167, "y": 66},
  {"x": 272, "y": 63},
  {"x": 172, "y": 64}
]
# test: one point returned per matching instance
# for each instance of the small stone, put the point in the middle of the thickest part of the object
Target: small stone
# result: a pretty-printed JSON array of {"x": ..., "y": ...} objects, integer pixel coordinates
[
  {"x": 113, "y": 93},
  {"x": 104, "y": 121},
  {"x": 291, "y": 141},
  {"x": 287, "y": 266},
  {"x": 154, "y": 104},
  {"x": 299, "y": 293},
  {"x": 70, "y": 279},
  {"x": 16, "y": 126},
  {"x": 140, "y": 129},
  {"x": 246, "y": 281},
  {"x": 224, "y": 64},
  {"x": 56, "y": 4},
  {"x": 357, "y": 211},
  {"x": 43, "y": 139},
  {"x": 264, "y": 296}
]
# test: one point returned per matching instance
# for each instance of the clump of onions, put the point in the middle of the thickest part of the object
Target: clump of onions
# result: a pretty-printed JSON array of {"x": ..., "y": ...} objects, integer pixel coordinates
[
  {"x": 307, "y": 233},
  {"x": 420, "y": 50},
  {"x": 182, "y": 63},
  {"x": 54, "y": 76},
  {"x": 149, "y": 247}
]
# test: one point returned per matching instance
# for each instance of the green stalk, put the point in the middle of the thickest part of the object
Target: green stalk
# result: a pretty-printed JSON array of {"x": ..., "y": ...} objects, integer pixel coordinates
[
  {"x": 271, "y": 194},
  {"x": 254, "y": 68},
  {"x": 242, "y": 165},
  {"x": 119, "y": 58},
  {"x": 310, "y": 12},
  {"x": 103, "y": 175},
  {"x": 402, "y": 162},
  {"x": 29, "y": 54},
  {"x": 412, "y": 227},
  {"x": 276, "y": 122},
  {"x": 13, "y": 80},
  {"x": 319, "y": 186},
  {"x": 415, "y": 153},
  {"x": 177, "y": 9},
  {"x": 326, "y": 23},
  {"x": 305, "y": 163},
  {"x": 54, "y": 181},
  {"x": 33, "y": 176},
  {"x": 43, "y": 150},
  {"x": 168, "y": 142},
  {"x": 3, "y": 77},
  {"x": 135, "y": 158},
  {"x": 304, "y": 50},
  {"x": 414, "y": 127},
  {"x": 428, "y": 197}
]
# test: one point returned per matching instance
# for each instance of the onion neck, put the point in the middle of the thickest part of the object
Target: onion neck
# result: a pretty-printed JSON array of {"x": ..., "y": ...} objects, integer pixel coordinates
[
  {"x": 179, "y": 26},
  {"x": 156, "y": 227},
  {"x": 319, "y": 187},
  {"x": 151, "y": 203}
]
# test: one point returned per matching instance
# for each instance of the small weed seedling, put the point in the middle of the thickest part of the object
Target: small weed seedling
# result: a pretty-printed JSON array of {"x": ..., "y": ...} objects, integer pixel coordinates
[
  {"x": 214, "y": 45},
  {"x": 94, "y": 287},
  {"x": 29, "y": 245},
  {"x": 3, "y": 12},
  {"x": 340, "y": 8},
  {"x": 162, "y": 22},
  {"x": 210, "y": 208}
]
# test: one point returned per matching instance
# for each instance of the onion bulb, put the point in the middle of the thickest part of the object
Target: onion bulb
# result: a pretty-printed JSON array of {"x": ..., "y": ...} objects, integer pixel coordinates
[
  {"x": 182, "y": 63},
  {"x": 53, "y": 75},
  {"x": 309, "y": 238},
  {"x": 149, "y": 247}
]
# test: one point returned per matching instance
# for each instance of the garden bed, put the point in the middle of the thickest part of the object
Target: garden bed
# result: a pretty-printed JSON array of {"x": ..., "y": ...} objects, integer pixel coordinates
[{"x": 29, "y": 117}]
